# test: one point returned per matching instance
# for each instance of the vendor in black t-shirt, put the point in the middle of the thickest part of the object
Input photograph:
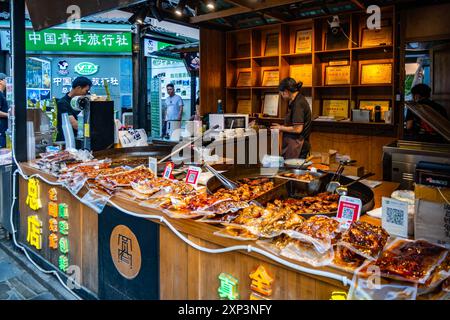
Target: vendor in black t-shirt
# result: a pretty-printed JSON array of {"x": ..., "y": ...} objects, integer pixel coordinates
[
  {"x": 80, "y": 87},
  {"x": 297, "y": 123},
  {"x": 417, "y": 128}
]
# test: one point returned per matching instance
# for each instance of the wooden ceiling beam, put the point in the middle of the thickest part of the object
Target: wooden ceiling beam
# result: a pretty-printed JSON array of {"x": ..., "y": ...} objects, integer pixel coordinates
[
  {"x": 246, "y": 4},
  {"x": 240, "y": 9}
]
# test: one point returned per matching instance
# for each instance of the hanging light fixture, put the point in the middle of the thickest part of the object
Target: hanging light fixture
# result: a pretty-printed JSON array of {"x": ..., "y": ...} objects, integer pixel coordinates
[
  {"x": 180, "y": 8},
  {"x": 210, "y": 4},
  {"x": 139, "y": 16}
]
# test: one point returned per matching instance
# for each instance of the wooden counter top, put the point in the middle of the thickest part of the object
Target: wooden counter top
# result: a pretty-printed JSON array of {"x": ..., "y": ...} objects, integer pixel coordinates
[{"x": 205, "y": 231}]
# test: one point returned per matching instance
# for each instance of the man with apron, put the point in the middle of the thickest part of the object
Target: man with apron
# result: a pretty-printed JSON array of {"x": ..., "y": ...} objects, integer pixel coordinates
[{"x": 297, "y": 123}]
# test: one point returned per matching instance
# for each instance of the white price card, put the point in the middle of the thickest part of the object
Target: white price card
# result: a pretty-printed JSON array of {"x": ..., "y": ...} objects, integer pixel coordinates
[
  {"x": 394, "y": 217},
  {"x": 349, "y": 210},
  {"x": 153, "y": 165},
  {"x": 192, "y": 175}
]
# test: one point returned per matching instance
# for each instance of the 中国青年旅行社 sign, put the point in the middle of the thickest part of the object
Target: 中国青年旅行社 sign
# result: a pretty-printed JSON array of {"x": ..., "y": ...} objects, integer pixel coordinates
[{"x": 78, "y": 41}]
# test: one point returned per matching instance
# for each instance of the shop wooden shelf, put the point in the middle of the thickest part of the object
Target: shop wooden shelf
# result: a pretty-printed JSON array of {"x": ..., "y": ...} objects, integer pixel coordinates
[
  {"x": 239, "y": 59},
  {"x": 250, "y": 44}
]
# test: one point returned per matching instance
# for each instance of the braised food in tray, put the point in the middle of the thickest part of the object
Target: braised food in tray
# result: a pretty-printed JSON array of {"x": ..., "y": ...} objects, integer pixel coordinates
[
  {"x": 410, "y": 260},
  {"x": 320, "y": 227},
  {"x": 322, "y": 203},
  {"x": 125, "y": 178}
]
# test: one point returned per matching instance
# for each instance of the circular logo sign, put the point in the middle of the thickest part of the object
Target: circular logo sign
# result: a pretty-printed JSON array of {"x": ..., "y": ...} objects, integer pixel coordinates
[
  {"x": 86, "y": 68},
  {"x": 125, "y": 251}
]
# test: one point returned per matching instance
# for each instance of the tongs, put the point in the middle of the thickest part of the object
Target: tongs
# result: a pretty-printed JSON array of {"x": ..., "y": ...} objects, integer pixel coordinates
[
  {"x": 343, "y": 190},
  {"x": 334, "y": 183},
  {"x": 229, "y": 184}
]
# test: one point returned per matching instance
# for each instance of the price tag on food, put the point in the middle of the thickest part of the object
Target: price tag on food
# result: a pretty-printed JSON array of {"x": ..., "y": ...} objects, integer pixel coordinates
[
  {"x": 349, "y": 210},
  {"x": 192, "y": 175},
  {"x": 153, "y": 165},
  {"x": 394, "y": 216},
  {"x": 168, "y": 171}
]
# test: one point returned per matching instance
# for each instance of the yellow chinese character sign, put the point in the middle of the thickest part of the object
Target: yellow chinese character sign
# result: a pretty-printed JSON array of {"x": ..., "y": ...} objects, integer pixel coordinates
[
  {"x": 338, "y": 295},
  {"x": 34, "y": 235},
  {"x": 261, "y": 281},
  {"x": 33, "y": 198},
  {"x": 228, "y": 288}
]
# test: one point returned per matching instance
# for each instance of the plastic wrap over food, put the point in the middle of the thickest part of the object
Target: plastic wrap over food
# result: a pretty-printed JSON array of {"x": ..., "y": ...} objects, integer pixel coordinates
[
  {"x": 320, "y": 231},
  {"x": 296, "y": 250},
  {"x": 364, "y": 239},
  {"x": 408, "y": 260},
  {"x": 75, "y": 182},
  {"x": 224, "y": 206},
  {"x": 237, "y": 233},
  {"x": 370, "y": 288},
  {"x": 438, "y": 276},
  {"x": 95, "y": 200}
]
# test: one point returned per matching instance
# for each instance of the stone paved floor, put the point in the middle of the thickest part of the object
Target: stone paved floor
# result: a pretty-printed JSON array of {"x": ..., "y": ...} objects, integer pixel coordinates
[{"x": 20, "y": 280}]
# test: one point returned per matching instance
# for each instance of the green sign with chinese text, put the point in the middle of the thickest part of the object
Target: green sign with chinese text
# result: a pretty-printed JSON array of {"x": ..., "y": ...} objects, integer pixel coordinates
[{"x": 78, "y": 41}]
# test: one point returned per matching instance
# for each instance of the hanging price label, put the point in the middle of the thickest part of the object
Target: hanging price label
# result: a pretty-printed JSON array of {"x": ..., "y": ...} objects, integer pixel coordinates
[
  {"x": 168, "y": 171},
  {"x": 349, "y": 210},
  {"x": 192, "y": 175},
  {"x": 153, "y": 165}
]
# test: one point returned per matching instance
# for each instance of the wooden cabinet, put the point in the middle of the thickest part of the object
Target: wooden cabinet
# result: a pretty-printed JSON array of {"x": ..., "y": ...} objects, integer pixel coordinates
[{"x": 294, "y": 47}]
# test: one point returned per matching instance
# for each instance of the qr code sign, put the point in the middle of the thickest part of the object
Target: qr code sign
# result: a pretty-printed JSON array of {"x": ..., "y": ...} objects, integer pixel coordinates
[
  {"x": 395, "y": 216},
  {"x": 347, "y": 213}
]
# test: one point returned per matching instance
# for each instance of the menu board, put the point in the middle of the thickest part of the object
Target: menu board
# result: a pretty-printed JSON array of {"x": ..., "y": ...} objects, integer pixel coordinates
[
  {"x": 335, "y": 75},
  {"x": 370, "y": 105},
  {"x": 303, "y": 41},
  {"x": 302, "y": 73},
  {"x": 244, "y": 79},
  {"x": 377, "y": 73},
  {"x": 270, "y": 78},
  {"x": 244, "y": 106},
  {"x": 336, "y": 108},
  {"x": 270, "y": 106},
  {"x": 271, "y": 45},
  {"x": 376, "y": 37}
]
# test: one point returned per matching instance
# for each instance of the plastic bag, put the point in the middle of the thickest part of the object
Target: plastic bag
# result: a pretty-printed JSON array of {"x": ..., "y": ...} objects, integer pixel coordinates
[
  {"x": 368, "y": 288},
  {"x": 68, "y": 132},
  {"x": 438, "y": 276},
  {"x": 361, "y": 241},
  {"x": 296, "y": 250},
  {"x": 75, "y": 183},
  {"x": 321, "y": 231},
  {"x": 95, "y": 200},
  {"x": 408, "y": 260},
  {"x": 219, "y": 218},
  {"x": 237, "y": 233}
]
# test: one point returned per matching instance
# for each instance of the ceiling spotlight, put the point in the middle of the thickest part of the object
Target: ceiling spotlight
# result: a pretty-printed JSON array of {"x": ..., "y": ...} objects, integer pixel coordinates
[
  {"x": 180, "y": 8},
  {"x": 210, "y": 5}
]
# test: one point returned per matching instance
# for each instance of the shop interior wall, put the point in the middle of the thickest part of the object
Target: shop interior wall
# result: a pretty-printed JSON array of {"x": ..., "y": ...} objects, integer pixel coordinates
[
  {"x": 431, "y": 23},
  {"x": 212, "y": 71}
]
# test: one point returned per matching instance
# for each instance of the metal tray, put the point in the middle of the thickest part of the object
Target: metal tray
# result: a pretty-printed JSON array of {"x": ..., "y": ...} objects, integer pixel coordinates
[
  {"x": 285, "y": 188},
  {"x": 301, "y": 188}
]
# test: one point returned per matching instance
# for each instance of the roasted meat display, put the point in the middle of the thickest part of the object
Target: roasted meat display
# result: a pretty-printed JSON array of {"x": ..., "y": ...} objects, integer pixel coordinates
[
  {"x": 410, "y": 260},
  {"x": 320, "y": 227}
]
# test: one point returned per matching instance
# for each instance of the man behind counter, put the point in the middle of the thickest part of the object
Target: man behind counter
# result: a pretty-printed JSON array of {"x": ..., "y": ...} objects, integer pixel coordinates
[
  {"x": 418, "y": 129},
  {"x": 80, "y": 87}
]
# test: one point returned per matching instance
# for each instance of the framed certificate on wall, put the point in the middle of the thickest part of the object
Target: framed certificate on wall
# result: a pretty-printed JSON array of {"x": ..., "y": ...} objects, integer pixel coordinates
[
  {"x": 337, "y": 108},
  {"x": 270, "y": 104},
  {"x": 270, "y": 78},
  {"x": 376, "y": 37},
  {"x": 303, "y": 41},
  {"x": 244, "y": 79},
  {"x": 376, "y": 73},
  {"x": 302, "y": 73},
  {"x": 244, "y": 106},
  {"x": 271, "y": 48},
  {"x": 335, "y": 75}
]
